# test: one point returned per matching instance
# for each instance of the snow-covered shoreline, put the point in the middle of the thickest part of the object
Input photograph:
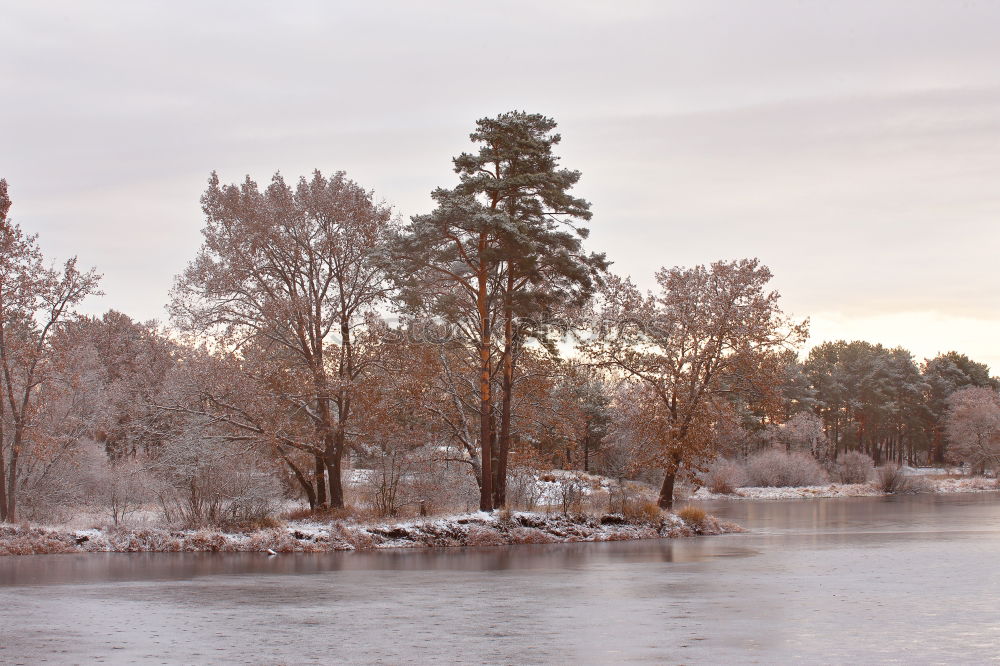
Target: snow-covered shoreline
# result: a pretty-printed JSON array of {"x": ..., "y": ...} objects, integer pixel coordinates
[
  {"x": 474, "y": 529},
  {"x": 975, "y": 484}
]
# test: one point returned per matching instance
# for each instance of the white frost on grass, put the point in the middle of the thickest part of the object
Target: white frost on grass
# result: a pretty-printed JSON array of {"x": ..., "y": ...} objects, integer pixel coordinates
[
  {"x": 969, "y": 484},
  {"x": 555, "y": 486},
  {"x": 472, "y": 529},
  {"x": 800, "y": 492},
  {"x": 974, "y": 484},
  {"x": 933, "y": 471}
]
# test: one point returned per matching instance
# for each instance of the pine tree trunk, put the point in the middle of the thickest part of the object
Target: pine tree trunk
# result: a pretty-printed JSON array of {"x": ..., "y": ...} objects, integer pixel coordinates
[
  {"x": 485, "y": 431},
  {"x": 507, "y": 389},
  {"x": 937, "y": 450},
  {"x": 485, "y": 377}
]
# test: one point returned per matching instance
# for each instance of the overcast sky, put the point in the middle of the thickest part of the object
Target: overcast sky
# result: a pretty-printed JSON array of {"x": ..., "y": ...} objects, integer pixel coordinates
[{"x": 854, "y": 147}]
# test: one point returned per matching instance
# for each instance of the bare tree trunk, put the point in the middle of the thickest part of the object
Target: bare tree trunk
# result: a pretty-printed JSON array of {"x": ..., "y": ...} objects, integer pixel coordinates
[
  {"x": 666, "y": 499},
  {"x": 12, "y": 479},
  {"x": 334, "y": 459},
  {"x": 335, "y": 449},
  {"x": 336, "y": 484},
  {"x": 3, "y": 468},
  {"x": 303, "y": 481},
  {"x": 3, "y": 485},
  {"x": 320, "y": 477}
]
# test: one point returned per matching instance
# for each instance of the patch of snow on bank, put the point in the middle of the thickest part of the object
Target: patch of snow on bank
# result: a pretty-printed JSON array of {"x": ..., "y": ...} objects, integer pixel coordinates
[
  {"x": 800, "y": 492},
  {"x": 473, "y": 529},
  {"x": 975, "y": 484},
  {"x": 971, "y": 484}
]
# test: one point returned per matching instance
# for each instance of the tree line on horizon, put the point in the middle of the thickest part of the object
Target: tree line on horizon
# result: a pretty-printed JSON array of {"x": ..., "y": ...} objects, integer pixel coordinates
[{"x": 513, "y": 351}]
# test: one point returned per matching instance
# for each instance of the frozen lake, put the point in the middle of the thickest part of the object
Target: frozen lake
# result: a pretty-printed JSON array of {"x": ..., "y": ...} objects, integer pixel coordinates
[{"x": 910, "y": 580}]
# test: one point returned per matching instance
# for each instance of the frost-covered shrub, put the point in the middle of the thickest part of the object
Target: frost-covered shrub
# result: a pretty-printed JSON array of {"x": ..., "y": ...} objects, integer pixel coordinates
[
  {"x": 441, "y": 486},
  {"x": 779, "y": 469},
  {"x": 854, "y": 467},
  {"x": 386, "y": 481},
  {"x": 206, "y": 482},
  {"x": 26, "y": 540},
  {"x": 115, "y": 488},
  {"x": 892, "y": 479},
  {"x": 480, "y": 535},
  {"x": 530, "y": 535},
  {"x": 82, "y": 477},
  {"x": 803, "y": 432},
  {"x": 54, "y": 490},
  {"x": 724, "y": 476},
  {"x": 523, "y": 490},
  {"x": 624, "y": 495},
  {"x": 570, "y": 494},
  {"x": 393, "y": 480}
]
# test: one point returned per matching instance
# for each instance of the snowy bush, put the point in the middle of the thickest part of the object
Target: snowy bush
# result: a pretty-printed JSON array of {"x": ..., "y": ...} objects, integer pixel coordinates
[
  {"x": 803, "y": 432},
  {"x": 386, "y": 484},
  {"x": 724, "y": 476},
  {"x": 121, "y": 489},
  {"x": 523, "y": 490},
  {"x": 398, "y": 481},
  {"x": 51, "y": 491},
  {"x": 441, "y": 486},
  {"x": 625, "y": 496},
  {"x": 779, "y": 469},
  {"x": 570, "y": 493},
  {"x": 207, "y": 482},
  {"x": 854, "y": 467},
  {"x": 892, "y": 479}
]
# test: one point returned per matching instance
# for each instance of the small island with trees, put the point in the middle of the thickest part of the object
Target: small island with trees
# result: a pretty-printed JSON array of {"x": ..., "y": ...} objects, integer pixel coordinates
[{"x": 334, "y": 377}]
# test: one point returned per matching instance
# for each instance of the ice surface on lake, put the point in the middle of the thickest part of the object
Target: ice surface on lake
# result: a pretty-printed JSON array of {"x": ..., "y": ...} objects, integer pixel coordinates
[{"x": 844, "y": 580}]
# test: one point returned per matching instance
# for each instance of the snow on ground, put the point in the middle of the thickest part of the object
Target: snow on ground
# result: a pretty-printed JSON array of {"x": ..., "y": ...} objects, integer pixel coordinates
[
  {"x": 470, "y": 529},
  {"x": 973, "y": 484},
  {"x": 551, "y": 487},
  {"x": 801, "y": 492},
  {"x": 934, "y": 471},
  {"x": 473, "y": 529},
  {"x": 969, "y": 484}
]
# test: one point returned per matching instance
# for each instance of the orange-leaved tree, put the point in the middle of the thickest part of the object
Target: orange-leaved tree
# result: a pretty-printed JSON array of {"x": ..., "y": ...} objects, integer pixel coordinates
[{"x": 709, "y": 333}]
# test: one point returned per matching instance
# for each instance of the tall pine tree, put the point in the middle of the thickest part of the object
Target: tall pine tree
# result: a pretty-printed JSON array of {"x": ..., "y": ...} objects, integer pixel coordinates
[{"x": 500, "y": 254}]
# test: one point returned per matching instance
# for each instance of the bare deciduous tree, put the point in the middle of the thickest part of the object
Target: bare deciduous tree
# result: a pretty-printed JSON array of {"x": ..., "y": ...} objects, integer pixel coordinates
[
  {"x": 292, "y": 273},
  {"x": 973, "y": 426},
  {"x": 35, "y": 300}
]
